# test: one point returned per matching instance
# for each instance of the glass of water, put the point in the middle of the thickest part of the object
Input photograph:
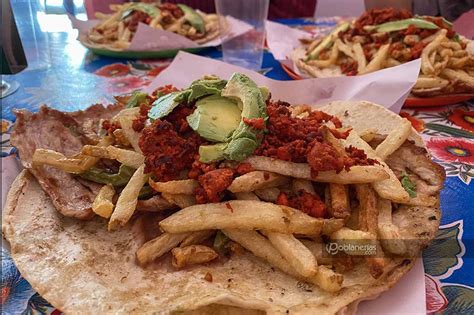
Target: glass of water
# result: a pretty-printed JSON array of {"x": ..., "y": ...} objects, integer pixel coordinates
[{"x": 245, "y": 50}]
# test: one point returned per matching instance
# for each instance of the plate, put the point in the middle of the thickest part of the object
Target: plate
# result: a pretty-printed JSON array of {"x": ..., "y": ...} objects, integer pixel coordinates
[
  {"x": 411, "y": 101},
  {"x": 141, "y": 54}
]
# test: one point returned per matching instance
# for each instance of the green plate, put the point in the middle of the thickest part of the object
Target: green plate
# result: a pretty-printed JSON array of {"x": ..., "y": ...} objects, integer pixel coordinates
[{"x": 141, "y": 54}]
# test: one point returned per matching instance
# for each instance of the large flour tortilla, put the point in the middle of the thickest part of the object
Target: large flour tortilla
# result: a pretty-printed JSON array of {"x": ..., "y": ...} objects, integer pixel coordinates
[{"x": 79, "y": 267}]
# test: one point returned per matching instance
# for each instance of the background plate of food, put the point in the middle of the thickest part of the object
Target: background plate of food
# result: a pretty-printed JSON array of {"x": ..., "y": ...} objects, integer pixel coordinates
[
  {"x": 153, "y": 30},
  {"x": 383, "y": 38}
]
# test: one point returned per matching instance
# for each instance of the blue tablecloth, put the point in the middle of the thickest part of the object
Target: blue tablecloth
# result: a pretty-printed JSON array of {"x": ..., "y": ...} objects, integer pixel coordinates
[{"x": 64, "y": 75}]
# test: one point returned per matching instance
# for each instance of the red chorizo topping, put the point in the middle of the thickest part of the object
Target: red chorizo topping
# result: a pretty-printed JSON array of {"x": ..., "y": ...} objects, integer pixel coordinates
[
  {"x": 139, "y": 123},
  {"x": 167, "y": 153},
  {"x": 213, "y": 184},
  {"x": 163, "y": 90},
  {"x": 299, "y": 140},
  {"x": 198, "y": 168},
  {"x": 110, "y": 127},
  {"x": 323, "y": 157},
  {"x": 244, "y": 168},
  {"x": 379, "y": 16},
  {"x": 255, "y": 123},
  {"x": 306, "y": 202}
]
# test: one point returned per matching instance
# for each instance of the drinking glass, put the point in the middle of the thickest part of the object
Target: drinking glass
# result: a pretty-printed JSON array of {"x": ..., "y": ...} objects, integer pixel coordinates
[{"x": 245, "y": 50}]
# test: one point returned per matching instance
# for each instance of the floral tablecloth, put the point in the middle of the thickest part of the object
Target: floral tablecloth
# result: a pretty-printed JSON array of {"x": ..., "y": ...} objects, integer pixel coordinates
[{"x": 72, "y": 78}]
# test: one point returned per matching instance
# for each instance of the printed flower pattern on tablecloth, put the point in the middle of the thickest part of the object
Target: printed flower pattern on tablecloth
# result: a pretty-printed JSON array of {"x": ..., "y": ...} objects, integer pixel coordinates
[
  {"x": 6, "y": 130},
  {"x": 462, "y": 118},
  {"x": 452, "y": 149},
  {"x": 122, "y": 85},
  {"x": 15, "y": 290},
  {"x": 113, "y": 70},
  {"x": 418, "y": 124},
  {"x": 435, "y": 299}
]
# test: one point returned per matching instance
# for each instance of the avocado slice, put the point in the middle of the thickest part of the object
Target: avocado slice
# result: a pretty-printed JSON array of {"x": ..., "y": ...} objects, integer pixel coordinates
[
  {"x": 401, "y": 25},
  {"x": 215, "y": 118},
  {"x": 149, "y": 9},
  {"x": 244, "y": 140},
  {"x": 193, "y": 18},
  {"x": 327, "y": 41},
  {"x": 203, "y": 87},
  {"x": 165, "y": 104}
]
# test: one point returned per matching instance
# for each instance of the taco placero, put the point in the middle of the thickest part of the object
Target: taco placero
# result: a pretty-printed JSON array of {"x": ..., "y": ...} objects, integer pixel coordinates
[
  {"x": 115, "y": 31},
  {"x": 383, "y": 38},
  {"x": 217, "y": 199}
]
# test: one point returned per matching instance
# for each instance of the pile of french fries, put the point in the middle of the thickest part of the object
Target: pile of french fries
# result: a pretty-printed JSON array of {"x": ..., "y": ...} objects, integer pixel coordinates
[
  {"x": 446, "y": 67},
  {"x": 112, "y": 32},
  {"x": 286, "y": 238}
]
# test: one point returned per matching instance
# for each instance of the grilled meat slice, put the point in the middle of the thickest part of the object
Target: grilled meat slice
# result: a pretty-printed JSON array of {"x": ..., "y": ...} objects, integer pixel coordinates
[{"x": 62, "y": 132}]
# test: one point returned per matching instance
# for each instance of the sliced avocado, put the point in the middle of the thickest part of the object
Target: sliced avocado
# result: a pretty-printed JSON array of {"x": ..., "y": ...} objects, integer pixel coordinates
[
  {"x": 244, "y": 139},
  {"x": 401, "y": 25},
  {"x": 328, "y": 40},
  {"x": 205, "y": 87},
  {"x": 265, "y": 93},
  {"x": 149, "y": 9},
  {"x": 165, "y": 104},
  {"x": 215, "y": 118},
  {"x": 193, "y": 18},
  {"x": 136, "y": 99},
  {"x": 211, "y": 153}
]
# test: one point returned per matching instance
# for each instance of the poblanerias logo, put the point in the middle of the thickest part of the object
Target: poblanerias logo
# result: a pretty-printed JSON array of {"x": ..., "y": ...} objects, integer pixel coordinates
[{"x": 355, "y": 248}]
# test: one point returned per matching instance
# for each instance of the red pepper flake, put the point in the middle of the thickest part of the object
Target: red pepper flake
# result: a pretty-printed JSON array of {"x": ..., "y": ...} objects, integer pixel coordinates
[
  {"x": 266, "y": 175},
  {"x": 228, "y": 206},
  {"x": 255, "y": 123}
]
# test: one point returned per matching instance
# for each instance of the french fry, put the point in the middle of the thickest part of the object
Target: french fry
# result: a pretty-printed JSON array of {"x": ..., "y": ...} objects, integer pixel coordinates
[
  {"x": 378, "y": 61},
  {"x": 154, "y": 204},
  {"x": 297, "y": 255},
  {"x": 339, "y": 196},
  {"x": 257, "y": 180},
  {"x": 302, "y": 185},
  {"x": 184, "y": 186},
  {"x": 268, "y": 194},
  {"x": 389, "y": 233},
  {"x": 197, "y": 237},
  {"x": 427, "y": 66},
  {"x": 245, "y": 214},
  {"x": 356, "y": 175},
  {"x": 246, "y": 196},
  {"x": 368, "y": 134},
  {"x": 158, "y": 246},
  {"x": 181, "y": 200},
  {"x": 130, "y": 133},
  {"x": 359, "y": 57},
  {"x": 192, "y": 255},
  {"x": 327, "y": 279},
  {"x": 103, "y": 204},
  {"x": 262, "y": 248},
  {"x": 459, "y": 75},
  {"x": 344, "y": 48},
  {"x": 127, "y": 201},
  {"x": 59, "y": 160},
  {"x": 368, "y": 211},
  {"x": 354, "y": 237},
  {"x": 127, "y": 157},
  {"x": 390, "y": 188},
  {"x": 393, "y": 140},
  {"x": 324, "y": 63},
  {"x": 429, "y": 82}
]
